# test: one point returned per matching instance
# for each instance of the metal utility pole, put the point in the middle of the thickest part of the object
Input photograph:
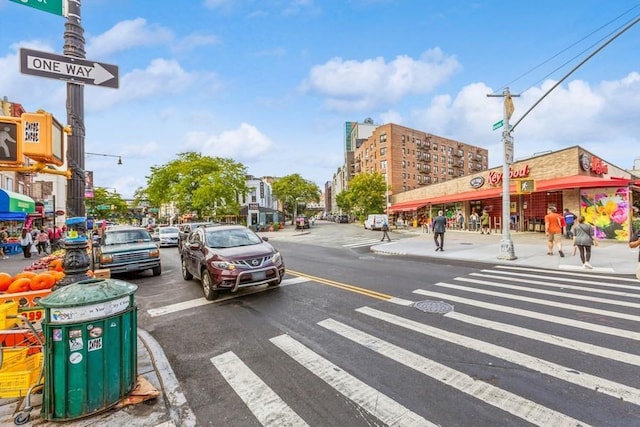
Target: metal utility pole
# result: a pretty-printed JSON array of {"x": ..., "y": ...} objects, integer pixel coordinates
[
  {"x": 507, "y": 250},
  {"x": 74, "y": 47}
]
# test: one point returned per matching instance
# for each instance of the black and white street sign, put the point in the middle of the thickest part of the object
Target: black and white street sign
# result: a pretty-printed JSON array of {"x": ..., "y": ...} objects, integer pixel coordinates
[{"x": 67, "y": 68}]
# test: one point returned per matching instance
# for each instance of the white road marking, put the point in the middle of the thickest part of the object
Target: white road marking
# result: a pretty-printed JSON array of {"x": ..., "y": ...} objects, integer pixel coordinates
[
  {"x": 558, "y": 274},
  {"x": 362, "y": 243},
  {"x": 568, "y": 374},
  {"x": 186, "y": 305},
  {"x": 534, "y": 315},
  {"x": 379, "y": 405},
  {"x": 261, "y": 400},
  {"x": 584, "y": 280},
  {"x": 504, "y": 400}
]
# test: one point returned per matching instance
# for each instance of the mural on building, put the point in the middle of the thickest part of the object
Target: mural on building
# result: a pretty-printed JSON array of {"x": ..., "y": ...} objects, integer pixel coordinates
[{"x": 607, "y": 209}]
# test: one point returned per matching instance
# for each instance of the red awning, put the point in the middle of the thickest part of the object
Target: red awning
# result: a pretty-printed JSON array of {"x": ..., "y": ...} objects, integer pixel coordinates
[
  {"x": 408, "y": 206},
  {"x": 580, "y": 181}
]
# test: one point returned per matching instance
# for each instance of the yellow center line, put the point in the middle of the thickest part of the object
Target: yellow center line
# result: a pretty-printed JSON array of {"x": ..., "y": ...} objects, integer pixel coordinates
[{"x": 344, "y": 286}]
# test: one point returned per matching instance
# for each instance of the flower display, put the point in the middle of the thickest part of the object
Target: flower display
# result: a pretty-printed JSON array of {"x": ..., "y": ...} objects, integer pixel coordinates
[{"x": 608, "y": 211}]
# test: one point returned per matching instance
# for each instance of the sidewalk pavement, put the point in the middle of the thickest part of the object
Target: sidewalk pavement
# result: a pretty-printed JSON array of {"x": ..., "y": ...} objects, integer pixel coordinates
[
  {"x": 530, "y": 249},
  {"x": 169, "y": 409}
]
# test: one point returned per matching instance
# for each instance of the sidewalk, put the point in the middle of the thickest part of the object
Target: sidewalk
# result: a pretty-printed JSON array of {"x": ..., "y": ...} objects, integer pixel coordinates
[
  {"x": 530, "y": 250},
  {"x": 169, "y": 409}
]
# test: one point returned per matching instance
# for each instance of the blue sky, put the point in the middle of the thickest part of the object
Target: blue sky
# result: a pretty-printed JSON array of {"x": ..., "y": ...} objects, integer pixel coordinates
[{"x": 270, "y": 83}]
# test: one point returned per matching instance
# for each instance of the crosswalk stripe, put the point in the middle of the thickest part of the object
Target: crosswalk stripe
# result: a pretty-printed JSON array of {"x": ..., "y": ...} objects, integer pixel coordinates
[
  {"x": 541, "y": 301},
  {"x": 558, "y": 274},
  {"x": 547, "y": 292},
  {"x": 502, "y": 399},
  {"x": 570, "y": 375},
  {"x": 360, "y": 243},
  {"x": 500, "y": 275},
  {"x": 556, "y": 340},
  {"x": 533, "y": 315},
  {"x": 600, "y": 282},
  {"x": 378, "y": 404},
  {"x": 262, "y": 401}
]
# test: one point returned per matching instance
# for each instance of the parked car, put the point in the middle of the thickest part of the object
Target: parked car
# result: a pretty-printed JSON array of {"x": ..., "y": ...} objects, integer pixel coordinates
[
  {"x": 344, "y": 219},
  {"x": 230, "y": 257},
  {"x": 185, "y": 230},
  {"x": 167, "y": 235},
  {"x": 302, "y": 222},
  {"x": 127, "y": 249},
  {"x": 375, "y": 221}
]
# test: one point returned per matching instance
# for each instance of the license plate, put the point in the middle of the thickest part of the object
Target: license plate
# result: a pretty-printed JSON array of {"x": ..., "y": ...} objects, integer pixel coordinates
[{"x": 260, "y": 275}]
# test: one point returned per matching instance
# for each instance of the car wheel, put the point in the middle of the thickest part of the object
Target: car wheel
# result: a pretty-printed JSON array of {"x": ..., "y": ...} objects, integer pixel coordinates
[
  {"x": 207, "y": 287},
  {"x": 185, "y": 273},
  {"x": 156, "y": 270}
]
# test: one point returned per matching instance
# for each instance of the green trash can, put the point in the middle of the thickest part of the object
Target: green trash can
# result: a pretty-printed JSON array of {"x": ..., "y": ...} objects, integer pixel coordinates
[{"x": 90, "y": 351}]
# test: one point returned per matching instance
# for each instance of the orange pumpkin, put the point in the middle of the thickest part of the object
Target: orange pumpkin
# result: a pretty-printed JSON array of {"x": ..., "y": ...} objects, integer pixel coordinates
[
  {"x": 56, "y": 264},
  {"x": 58, "y": 275},
  {"x": 22, "y": 284},
  {"x": 42, "y": 281},
  {"x": 24, "y": 274},
  {"x": 5, "y": 281}
]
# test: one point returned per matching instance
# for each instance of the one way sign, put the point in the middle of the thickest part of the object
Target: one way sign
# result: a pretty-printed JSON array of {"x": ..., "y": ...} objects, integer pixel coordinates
[{"x": 67, "y": 68}]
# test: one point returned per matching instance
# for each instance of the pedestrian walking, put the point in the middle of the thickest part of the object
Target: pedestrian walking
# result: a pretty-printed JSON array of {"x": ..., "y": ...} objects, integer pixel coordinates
[
  {"x": 553, "y": 230},
  {"x": 569, "y": 220},
  {"x": 485, "y": 219},
  {"x": 634, "y": 243},
  {"x": 583, "y": 240},
  {"x": 473, "y": 221},
  {"x": 439, "y": 227},
  {"x": 460, "y": 221},
  {"x": 43, "y": 242},
  {"x": 385, "y": 230},
  {"x": 26, "y": 241}
]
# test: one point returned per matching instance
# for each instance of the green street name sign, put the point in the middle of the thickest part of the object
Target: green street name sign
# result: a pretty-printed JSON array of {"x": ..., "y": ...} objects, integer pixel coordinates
[
  {"x": 57, "y": 7},
  {"x": 498, "y": 124}
]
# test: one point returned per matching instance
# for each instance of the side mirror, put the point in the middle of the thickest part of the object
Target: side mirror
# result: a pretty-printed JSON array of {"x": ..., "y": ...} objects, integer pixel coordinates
[{"x": 265, "y": 238}]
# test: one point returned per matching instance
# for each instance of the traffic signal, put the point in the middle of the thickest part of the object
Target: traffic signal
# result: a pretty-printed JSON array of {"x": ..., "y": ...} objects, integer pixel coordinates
[
  {"x": 43, "y": 138},
  {"x": 10, "y": 140}
]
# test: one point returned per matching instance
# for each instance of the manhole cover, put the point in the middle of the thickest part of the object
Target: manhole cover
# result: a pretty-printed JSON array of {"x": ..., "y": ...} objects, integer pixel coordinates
[{"x": 438, "y": 307}]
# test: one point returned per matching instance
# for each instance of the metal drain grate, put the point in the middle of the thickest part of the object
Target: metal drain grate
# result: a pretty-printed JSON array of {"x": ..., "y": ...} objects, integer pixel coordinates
[{"x": 438, "y": 307}]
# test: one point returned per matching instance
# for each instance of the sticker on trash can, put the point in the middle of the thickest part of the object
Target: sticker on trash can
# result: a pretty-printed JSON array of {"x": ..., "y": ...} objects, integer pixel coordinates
[
  {"x": 95, "y": 332},
  {"x": 75, "y": 358},
  {"x": 75, "y": 333},
  {"x": 89, "y": 312},
  {"x": 57, "y": 334},
  {"x": 94, "y": 344},
  {"x": 75, "y": 344}
]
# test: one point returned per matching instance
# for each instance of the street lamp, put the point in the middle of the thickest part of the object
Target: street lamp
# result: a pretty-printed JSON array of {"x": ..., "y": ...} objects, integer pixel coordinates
[{"x": 105, "y": 155}]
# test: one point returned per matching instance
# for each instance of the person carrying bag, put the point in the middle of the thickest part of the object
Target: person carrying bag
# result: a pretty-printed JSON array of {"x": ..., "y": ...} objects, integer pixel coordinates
[{"x": 583, "y": 240}]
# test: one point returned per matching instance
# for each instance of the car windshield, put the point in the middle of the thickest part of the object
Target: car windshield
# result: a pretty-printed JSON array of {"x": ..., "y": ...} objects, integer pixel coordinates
[
  {"x": 168, "y": 230},
  {"x": 126, "y": 236},
  {"x": 231, "y": 238}
]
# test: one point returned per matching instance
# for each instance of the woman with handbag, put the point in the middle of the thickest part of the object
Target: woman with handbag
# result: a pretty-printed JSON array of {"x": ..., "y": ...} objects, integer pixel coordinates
[
  {"x": 26, "y": 241},
  {"x": 583, "y": 239}
]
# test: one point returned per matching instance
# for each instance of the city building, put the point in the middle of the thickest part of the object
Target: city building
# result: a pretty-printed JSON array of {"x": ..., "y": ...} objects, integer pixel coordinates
[{"x": 571, "y": 178}]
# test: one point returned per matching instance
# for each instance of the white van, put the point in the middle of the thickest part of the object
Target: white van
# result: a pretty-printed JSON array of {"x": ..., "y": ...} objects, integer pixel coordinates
[{"x": 375, "y": 221}]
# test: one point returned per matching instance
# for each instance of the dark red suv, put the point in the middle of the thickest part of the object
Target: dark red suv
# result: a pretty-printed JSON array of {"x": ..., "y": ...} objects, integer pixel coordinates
[{"x": 230, "y": 257}]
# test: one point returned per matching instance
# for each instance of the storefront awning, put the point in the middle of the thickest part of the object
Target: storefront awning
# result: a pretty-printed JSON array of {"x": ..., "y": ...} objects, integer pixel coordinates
[
  {"x": 13, "y": 216},
  {"x": 580, "y": 181},
  {"x": 16, "y": 202},
  {"x": 408, "y": 206}
]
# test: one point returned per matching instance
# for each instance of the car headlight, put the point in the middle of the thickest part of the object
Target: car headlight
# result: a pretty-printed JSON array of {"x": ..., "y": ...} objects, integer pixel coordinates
[
  {"x": 276, "y": 257},
  {"x": 223, "y": 265},
  {"x": 104, "y": 258},
  {"x": 154, "y": 253}
]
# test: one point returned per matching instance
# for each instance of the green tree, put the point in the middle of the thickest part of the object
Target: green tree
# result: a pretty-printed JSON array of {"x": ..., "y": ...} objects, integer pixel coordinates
[
  {"x": 366, "y": 195},
  {"x": 204, "y": 185},
  {"x": 106, "y": 204},
  {"x": 293, "y": 190}
]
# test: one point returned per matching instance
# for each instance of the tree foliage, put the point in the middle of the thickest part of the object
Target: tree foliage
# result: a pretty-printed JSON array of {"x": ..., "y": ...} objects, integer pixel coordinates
[
  {"x": 292, "y": 190},
  {"x": 106, "y": 204},
  {"x": 366, "y": 195},
  {"x": 201, "y": 184}
]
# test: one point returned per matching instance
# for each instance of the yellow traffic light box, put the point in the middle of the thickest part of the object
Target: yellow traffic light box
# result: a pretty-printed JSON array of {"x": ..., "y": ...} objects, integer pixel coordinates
[
  {"x": 42, "y": 138},
  {"x": 525, "y": 186},
  {"x": 10, "y": 140}
]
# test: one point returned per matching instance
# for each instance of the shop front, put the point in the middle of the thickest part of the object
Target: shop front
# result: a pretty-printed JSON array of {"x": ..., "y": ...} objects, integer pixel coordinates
[{"x": 571, "y": 179}]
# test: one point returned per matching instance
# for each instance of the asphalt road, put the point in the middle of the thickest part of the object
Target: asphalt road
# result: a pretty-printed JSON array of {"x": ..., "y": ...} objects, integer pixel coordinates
[{"x": 353, "y": 338}]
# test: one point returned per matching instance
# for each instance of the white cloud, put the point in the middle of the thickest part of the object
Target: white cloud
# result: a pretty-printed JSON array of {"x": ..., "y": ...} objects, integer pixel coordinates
[
  {"x": 361, "y": 85},
  {"x": 127, "y": 34},
  {"x": 245, "y": 142},
  {"x": 193, "y": 41}
]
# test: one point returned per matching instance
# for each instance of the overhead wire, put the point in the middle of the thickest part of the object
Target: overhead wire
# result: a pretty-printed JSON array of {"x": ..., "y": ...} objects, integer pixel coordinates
[{"x": 573, "y": 45}]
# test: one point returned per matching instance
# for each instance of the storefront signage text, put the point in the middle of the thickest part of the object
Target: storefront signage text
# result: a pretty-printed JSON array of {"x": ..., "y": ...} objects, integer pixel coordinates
[
  {"x": 495, "y": 177},
  {"x": 477, "y": 182},
  {"x": 593, "y": 164}
]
